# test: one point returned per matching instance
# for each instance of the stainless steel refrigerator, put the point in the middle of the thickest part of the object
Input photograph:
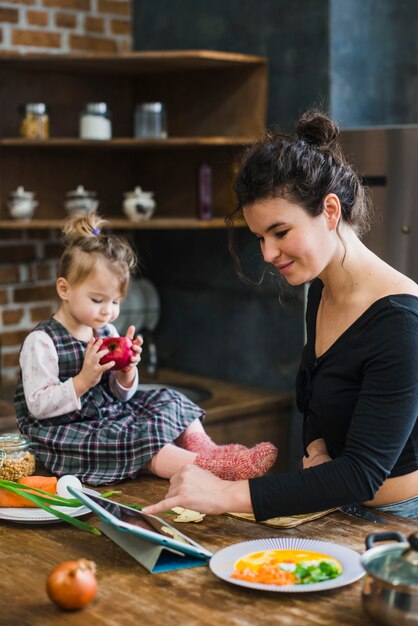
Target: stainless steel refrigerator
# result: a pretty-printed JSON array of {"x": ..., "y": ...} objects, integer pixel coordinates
[{"x": 387, "y": 159}]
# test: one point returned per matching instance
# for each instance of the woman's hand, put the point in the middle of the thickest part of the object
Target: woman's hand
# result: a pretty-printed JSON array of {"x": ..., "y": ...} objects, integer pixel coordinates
[
  {"x": 194, "y": 488},
  {"x": 318, "y": 454},
  {"x": 91, "y": 372},
  {"x": 126, "y": 376}
]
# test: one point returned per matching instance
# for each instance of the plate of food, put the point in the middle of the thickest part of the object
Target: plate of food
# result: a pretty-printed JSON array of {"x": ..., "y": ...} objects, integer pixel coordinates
[
  {"x": 34, "y": 515},
  {"x": 287, "y": 565},
  {"x": 17, "y": 508}
]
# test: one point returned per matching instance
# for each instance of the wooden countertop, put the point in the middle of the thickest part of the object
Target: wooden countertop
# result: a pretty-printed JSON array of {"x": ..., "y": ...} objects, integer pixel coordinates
[
  {"x": 228, "y": 399},
  {"x": 129, "y": 596}
]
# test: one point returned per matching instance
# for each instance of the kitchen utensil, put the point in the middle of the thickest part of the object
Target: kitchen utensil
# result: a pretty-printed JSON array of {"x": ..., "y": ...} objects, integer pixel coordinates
[
  {"x": 223, "y": 562},
  {"x": 356, "y": 510},
  {"x": 21, "y": 204},
  {"x": 390, "y": 589},
  {"x": 81, "y": 201},
  {"x": 138, "y": 205}
]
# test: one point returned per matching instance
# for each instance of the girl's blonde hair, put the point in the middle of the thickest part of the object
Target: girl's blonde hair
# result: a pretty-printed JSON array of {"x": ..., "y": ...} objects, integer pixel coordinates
[{"x": 85, "y": 244}]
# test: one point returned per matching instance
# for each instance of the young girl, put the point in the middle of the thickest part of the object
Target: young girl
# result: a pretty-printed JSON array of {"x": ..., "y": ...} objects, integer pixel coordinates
[{"x": 86, "y": 420}]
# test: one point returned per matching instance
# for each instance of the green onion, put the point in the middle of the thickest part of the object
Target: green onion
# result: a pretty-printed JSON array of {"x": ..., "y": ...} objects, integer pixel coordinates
[{"x": 45, "y": 501}]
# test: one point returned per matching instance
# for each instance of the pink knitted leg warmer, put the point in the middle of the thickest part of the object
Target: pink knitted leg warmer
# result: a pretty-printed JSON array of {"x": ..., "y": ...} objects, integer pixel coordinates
[
  {"x": 230, "y": 463},
  {"x": 201, "y": 443}
]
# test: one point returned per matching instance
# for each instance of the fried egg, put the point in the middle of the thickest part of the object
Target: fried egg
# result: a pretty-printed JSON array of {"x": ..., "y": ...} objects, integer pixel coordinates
[{"x": 286, "y": 558}]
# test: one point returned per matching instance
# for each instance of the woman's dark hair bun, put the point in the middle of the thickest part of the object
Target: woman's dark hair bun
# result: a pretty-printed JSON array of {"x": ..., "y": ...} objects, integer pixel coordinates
[{"x": 317, "y": 128}]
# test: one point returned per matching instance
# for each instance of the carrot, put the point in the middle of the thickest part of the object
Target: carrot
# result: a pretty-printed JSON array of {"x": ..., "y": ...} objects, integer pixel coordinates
[{"x": 46, "y": 483}]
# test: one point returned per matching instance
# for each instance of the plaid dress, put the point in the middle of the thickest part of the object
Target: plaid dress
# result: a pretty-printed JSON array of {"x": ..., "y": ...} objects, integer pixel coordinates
[{"x": 107, "y": 440}]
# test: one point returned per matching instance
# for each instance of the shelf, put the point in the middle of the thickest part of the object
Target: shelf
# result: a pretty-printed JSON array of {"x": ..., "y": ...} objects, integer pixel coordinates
[
  {"x": 124, "y": 143},
  {"x": 130, "y": 62},
  {"x": 216, "y": 106},
  {"x": 159, "y": 223}
]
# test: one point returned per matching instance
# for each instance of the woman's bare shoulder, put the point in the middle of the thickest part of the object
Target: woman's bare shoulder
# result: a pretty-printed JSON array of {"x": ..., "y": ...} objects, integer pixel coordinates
[{"x": 392, "y": 282}]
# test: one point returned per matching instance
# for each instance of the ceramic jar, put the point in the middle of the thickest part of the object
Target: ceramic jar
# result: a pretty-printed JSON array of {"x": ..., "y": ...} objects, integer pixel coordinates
[
  {"x": 21, "y": 204},
  {"x": 81, "y": 201},
  {"x": 138, "y": 205}
]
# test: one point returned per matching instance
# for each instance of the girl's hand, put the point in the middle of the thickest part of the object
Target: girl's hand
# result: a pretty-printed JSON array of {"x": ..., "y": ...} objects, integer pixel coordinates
[
  {"x": 91, "y": 372},
  {"x": 127, "y": 376},
  {"x": 197, "y": 489}
]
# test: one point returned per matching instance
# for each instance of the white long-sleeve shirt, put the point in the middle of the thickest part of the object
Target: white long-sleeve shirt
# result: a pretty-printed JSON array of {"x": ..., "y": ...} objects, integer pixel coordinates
[{"x": 46, "y": 396}]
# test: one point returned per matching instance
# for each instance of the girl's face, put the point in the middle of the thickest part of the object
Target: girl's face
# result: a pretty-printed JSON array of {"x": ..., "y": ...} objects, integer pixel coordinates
[
  {"x": 299, "y": 246},
  {"x": 95, "y": 301}
]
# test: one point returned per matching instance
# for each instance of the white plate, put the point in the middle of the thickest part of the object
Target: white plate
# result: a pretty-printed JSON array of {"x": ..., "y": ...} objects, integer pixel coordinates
[
  {"x": 132, "y": 309},
  {"x": 152, "y": 304},
  {"x": 39, "y": 516},
  {"x": 222, "y": 563}
]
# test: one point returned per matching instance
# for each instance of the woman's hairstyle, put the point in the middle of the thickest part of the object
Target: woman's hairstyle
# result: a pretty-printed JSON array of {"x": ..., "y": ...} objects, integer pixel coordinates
[
  {"x": 85, "y": 244},
  {"x": 302, "y": 169}
]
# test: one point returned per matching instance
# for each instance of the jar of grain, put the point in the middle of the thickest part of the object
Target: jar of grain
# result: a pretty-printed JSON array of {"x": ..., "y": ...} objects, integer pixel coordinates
[
  {"x": 16, "y": 457},
  {"x": 35, "y": 121}
]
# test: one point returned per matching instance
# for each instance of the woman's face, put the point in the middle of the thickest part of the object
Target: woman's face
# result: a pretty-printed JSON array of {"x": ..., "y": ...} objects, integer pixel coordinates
[{"x": 299, "y": 246}]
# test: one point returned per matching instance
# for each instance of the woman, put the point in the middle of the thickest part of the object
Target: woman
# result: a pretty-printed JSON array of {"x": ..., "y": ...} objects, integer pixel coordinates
[{"x": 357, "y": 386}]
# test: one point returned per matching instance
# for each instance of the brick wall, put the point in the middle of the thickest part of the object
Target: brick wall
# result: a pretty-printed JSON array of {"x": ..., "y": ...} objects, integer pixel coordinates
[
  {"x": 68, "y": 26},
  {"x": 28, "y": 262}
]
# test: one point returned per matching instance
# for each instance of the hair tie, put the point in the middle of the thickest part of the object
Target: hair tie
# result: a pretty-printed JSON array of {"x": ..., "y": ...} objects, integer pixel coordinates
[{"x": 96, "y": 231}]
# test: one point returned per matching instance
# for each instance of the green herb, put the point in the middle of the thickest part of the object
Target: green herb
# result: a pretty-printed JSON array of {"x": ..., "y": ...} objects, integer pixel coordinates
[{"x": 316, "y": 573}]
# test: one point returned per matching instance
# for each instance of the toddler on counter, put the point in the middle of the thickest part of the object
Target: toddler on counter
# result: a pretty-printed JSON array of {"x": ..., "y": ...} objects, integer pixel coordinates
[{"x": 97, "y": 424}]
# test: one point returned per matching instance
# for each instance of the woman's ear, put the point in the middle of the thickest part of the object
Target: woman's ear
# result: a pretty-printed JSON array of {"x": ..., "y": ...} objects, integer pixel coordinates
[
  {"x": 332, "y": 210},
  {"x": 63, "y": 287}
]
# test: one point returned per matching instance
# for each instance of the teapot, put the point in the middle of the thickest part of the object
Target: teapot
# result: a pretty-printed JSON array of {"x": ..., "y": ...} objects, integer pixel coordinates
[
  {"x": 81, "y": 201},
  {"x": 138, "y": 205},
  {"x": 21, "y": 204}
]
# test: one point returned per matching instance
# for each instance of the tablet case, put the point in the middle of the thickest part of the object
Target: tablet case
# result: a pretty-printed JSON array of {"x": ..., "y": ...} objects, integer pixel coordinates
[
  {"x": 152, "y": 555},
  {"x": 155, "y": 558}
]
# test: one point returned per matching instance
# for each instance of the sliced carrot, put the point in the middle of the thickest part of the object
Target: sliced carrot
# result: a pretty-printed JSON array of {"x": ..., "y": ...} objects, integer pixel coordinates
[{"x": 46, "y": 483}]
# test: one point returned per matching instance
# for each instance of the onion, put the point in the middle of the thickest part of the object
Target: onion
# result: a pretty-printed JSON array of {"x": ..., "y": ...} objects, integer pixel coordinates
[{"x": 72, "y": 584}]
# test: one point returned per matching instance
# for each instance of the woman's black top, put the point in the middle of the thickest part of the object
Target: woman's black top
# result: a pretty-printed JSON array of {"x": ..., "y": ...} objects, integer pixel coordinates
[{"x": 361, "y": 397}]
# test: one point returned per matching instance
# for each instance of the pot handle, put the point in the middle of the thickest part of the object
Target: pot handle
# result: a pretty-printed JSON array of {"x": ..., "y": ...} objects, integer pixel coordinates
[{"x": 375, "y": 537}]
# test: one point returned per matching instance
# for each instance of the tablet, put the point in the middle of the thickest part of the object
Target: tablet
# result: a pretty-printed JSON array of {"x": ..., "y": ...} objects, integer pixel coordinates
[{"x": 127, "y": 519}]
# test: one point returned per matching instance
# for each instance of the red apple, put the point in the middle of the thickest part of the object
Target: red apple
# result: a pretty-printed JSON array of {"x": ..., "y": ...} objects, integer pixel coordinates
[{"x": 120, "y": 351}]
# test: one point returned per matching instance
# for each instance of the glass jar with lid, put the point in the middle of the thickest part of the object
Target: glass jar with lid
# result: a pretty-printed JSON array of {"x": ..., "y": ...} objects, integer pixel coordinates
[
  {"x": 34, "y": 123},
  {"x": 95, "y": 121},
  {"x": 150, "y": 121},
  {"x": 16, "y": 457}
]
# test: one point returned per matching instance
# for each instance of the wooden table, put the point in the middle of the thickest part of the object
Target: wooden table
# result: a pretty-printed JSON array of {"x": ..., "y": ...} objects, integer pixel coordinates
[{"x": 128, "y": 595}]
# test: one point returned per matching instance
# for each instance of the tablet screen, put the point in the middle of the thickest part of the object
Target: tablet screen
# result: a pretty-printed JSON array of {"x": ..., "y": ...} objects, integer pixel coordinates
[{"x": 136, "y": 518}]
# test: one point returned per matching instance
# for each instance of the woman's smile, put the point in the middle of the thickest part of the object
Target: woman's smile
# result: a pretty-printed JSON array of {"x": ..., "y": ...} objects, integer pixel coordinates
[{"x": 285, "y": 267}]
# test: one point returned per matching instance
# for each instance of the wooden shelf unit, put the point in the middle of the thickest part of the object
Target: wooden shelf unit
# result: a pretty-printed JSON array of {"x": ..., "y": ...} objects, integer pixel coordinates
[
  {"x": 215, "y": 102},
  {"x": 155, "y": 223}
]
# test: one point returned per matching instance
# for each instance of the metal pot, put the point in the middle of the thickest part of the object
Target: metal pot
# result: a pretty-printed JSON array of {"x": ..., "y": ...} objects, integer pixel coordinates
[{"x": 390, "y": 587}]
